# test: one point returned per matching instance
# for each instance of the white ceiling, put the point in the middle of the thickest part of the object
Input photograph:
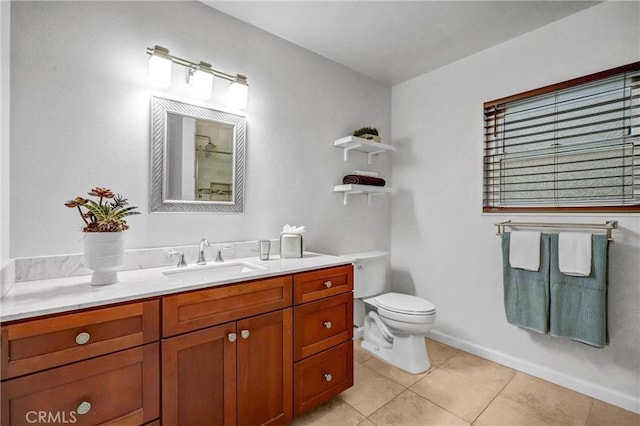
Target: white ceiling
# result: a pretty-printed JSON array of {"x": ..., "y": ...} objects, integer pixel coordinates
[{"x": 393, "y": 41}]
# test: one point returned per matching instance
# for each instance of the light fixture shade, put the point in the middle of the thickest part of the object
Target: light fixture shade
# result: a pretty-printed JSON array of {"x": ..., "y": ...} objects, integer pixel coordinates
[
  {"x": 160, "y": 67},
  {"x": 239, "y": 92},
  {"x": 201, "y": 80}
]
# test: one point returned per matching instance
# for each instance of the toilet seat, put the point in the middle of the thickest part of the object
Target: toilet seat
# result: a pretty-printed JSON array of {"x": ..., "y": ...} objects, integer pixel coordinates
[{"x": 405, "y": 304}]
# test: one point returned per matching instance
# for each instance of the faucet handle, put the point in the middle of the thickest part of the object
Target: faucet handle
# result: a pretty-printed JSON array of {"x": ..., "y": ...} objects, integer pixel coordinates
[
  {"x": 219, "y": 252},
  {"x": 219, "y": 255},
  {"x": 181, "y": 261}
]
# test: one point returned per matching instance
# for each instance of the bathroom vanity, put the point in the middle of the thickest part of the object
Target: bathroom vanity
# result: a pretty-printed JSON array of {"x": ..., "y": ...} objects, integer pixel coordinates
[{"x": 257, "y": 351}]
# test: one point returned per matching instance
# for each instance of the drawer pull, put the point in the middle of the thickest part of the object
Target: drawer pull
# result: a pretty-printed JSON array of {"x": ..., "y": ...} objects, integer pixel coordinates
[
  {"x": 244, "y": 334},
  {"x": 328, "y": 284},
  {"x": 328, "y": 377},
  {"x": 232, "y": 337},
  {"x": 327, "y": 324},
  {"x": 83, "y": 408},
  {"x": 82, "y": 338}
]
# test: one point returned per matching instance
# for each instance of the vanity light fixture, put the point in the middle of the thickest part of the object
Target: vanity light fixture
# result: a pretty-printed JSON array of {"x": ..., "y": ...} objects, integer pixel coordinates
[
  {"x": 201, "y": 79},
  {"x": 200, "y": 76}
]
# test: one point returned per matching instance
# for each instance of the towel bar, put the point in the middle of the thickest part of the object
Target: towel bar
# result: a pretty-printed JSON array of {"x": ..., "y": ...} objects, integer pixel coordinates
[{"x": 608, "y": 226}]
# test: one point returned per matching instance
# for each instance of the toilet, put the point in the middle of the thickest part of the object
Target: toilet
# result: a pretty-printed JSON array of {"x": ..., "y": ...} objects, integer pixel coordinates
[{"x": 393, "y": 325}]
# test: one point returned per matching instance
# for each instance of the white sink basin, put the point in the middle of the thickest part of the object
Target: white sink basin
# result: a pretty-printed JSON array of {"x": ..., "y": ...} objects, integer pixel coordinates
[{"x": 201, "y": 274}]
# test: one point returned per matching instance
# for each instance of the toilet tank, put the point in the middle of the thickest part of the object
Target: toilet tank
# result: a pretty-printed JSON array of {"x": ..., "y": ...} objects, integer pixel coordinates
[{"x": 369, "y": 273}]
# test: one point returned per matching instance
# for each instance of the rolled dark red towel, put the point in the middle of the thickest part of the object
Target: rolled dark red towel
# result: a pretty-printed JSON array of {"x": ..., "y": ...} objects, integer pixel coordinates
[{"x": 363, "y": 180}]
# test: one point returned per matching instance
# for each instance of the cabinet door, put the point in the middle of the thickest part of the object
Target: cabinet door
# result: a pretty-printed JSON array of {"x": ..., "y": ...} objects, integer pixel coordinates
[
  {"x": 265, "y": 369},
  {"x": 199, "y": 309},
  {"x": 316, "y": 285},
  {"x": 116, "y": 389},
  {"x": 39, "y": 344},
  {"x": 199, "y": 377},
  {"x": 322, "y": 324}
]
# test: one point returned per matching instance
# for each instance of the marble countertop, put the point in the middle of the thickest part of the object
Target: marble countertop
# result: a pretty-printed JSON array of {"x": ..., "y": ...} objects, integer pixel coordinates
[{"x": 30, "y": 299}]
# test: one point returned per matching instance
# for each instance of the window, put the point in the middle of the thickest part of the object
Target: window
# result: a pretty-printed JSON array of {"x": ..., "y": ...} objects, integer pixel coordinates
[{"x": 572, "y": 146}]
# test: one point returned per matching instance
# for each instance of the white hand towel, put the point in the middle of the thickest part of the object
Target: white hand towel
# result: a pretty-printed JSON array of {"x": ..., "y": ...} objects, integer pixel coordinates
[
  {"x": 574, "y": 253},
  {"x": 524, "y": 250}
]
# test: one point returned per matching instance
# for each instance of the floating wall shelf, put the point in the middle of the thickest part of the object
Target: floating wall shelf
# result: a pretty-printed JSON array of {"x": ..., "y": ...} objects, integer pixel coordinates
[
  {"x": 351, "y": 189},
  {"x": 354, "y": 143}
]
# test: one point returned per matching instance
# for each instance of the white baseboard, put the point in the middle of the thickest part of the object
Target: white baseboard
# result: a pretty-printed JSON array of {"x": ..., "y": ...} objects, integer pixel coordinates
[{"x": 611, "y": 396}]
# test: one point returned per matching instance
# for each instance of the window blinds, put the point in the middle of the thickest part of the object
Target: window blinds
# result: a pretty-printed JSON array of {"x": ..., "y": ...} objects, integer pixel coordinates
[{"x": 575, "y": 145}]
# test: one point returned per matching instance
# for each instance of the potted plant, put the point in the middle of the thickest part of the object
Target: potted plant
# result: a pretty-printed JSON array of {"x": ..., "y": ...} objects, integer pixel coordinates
[
  {"x": 370, "y": 133},
  {"x": 104, "y": 224}
]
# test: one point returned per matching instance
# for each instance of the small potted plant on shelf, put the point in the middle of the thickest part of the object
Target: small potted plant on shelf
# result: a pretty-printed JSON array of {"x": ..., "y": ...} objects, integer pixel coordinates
[
  {"x": 104, "y": 223},
  {"x": 370, "y": 133}
]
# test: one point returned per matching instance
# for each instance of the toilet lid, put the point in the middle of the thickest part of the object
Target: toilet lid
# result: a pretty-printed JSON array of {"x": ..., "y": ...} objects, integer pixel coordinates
[{"x": 405, "y": 304}]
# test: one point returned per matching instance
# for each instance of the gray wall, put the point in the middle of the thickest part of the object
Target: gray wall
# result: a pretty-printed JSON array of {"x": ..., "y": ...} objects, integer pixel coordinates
[
  {"x": 445, "y": 249},
  {"x": 5, "y": 26},
  {"x": 80, "y": 118}
]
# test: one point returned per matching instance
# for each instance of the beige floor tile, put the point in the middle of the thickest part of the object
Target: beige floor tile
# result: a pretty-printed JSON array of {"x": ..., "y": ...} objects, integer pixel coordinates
[
  {"x": 396, "y": 374},
  {"x": 553, "y": 403},
  {"x": 506, "y": 412},
  {"x": 409, "y": 409},
  {"x": 610, "y": 415},
  {"x": 455, "y": 394},
  {"x": 359, "y": 354},
  {"x": 370, "y": 390},
  {"x": 479, "y": 371},
  {"x": 439, "y": 353},
  {"x": 331, "y": 413}
]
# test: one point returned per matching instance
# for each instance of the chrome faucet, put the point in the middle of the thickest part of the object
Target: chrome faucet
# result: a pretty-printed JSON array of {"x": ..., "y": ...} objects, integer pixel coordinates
[{"x": 201, "y": 260}]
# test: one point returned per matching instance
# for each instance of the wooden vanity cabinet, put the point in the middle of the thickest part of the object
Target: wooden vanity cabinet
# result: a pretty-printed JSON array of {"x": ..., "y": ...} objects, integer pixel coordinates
[
  {"x": 323, "y": 336},
  {"x": 250, "y": 353},
  {"x": 94, "y": 367},
  {"x": 234, "y": 373}
]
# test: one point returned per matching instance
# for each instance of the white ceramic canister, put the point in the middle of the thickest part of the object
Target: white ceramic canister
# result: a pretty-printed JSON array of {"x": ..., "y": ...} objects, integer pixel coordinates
[{"x": 290, "y": 246}]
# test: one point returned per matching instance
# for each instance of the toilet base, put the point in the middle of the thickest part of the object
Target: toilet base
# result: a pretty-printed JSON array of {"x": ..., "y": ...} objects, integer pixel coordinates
[{"x": 406, "y": 352}]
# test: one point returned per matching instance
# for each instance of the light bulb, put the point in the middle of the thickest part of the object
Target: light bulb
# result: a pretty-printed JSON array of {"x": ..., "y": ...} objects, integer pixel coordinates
[
  {"x": 160, "y": 67},
  {"x": 201, "y": 80},
  {"x": 239, "y": 92}
]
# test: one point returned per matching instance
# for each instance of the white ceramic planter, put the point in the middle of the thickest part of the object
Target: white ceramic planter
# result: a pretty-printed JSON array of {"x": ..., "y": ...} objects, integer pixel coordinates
[{"x": 104, "y": 254}]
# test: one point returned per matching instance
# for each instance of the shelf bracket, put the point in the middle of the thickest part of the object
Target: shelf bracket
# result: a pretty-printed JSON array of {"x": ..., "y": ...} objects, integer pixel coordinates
[
  {"x": 349, "y": 148},
  {"x": 371, "y": 154}
]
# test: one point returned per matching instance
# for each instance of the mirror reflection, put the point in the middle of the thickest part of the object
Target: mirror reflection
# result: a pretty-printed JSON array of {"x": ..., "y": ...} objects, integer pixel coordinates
[{"x": 197, "y": 158}]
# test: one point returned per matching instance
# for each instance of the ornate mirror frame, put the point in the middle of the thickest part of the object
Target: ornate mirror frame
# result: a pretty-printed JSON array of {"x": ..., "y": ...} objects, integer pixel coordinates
[{"x": 160, "y": 107}]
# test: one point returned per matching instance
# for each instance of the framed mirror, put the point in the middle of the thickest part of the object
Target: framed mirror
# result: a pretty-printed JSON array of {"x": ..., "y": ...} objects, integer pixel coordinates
[{"x": 197, "y": 158}]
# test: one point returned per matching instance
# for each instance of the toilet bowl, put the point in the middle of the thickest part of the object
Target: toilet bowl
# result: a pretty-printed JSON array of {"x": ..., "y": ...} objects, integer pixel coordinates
[
  {"x": 393, "y": 324},
  {"x": 395, "y": 329}
]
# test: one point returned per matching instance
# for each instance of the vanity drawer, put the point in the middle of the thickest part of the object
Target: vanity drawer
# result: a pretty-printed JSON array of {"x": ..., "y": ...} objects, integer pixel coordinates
[
  {"x": 319, "y": 378},
  {"x": 322, "y": 324},
  {"x": 120, "y": 388},
  {"x": 36, "y": 345},
  {"x": 314, "y": 285},
  {"x": 203, "y": 308}
]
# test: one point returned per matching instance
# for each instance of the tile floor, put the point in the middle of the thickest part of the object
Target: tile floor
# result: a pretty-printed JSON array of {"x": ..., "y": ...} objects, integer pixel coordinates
[{"x": 459, "y": 389}]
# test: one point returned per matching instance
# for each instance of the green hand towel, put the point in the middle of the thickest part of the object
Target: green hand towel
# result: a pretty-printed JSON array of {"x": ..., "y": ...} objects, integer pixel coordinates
[
  {"x": 526, "y": 293},
  {"x": 579, "y": 304}
]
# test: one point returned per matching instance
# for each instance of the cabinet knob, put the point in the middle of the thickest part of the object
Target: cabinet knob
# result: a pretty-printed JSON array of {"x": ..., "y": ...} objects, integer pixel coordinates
[
  {"x": 232, "y": 337},
  {"x": 244, "y": 334},
  {"x": 328, "y": 284},
  {"x": 83, "y": 408},
  {"x": 327, "y": 324},
  {"x": 83, "y": 338},
  {"x": 328, "y": 377}
]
